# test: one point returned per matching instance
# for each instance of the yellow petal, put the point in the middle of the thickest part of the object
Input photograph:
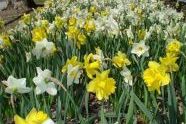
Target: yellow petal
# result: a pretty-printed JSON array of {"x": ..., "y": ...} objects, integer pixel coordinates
[{"x": 19, "y": 120}]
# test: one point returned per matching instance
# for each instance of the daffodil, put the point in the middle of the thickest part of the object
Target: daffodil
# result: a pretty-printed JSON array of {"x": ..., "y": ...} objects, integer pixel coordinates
[
  {"x": 34, "y": 117},
  {"x": 173, "y": 48},
  {"x": 43, "y": 49},
  {"x": 140, "y": 49},
  {"x": 81, "y": 39},
  {"x": 4, "y": 41},
  {"x": 26, "y": 18},
  {"x": 169, "y": 62},
  {"x": 38, "y": 34},
  {"x": 89, "y": 25},
  {"x": 15, "y": 85},
  {"x": 102, "y": 85},
  {"x": 127, "y": 76},
  {"x": 73, "y": 74},
  {"x": 91, "y": 65},
  {"x": 43, "y": 83},
  {"x": 155, "y": 76},
  {"x": 73, "y": 61},
  {"x": 59, "y": 22},
  {"x": 120, "y": 60}
]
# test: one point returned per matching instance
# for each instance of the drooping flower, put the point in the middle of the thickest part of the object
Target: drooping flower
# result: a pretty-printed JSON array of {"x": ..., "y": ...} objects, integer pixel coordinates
[
  {"x": 173, "y": 48},
  {"x": 120, "y": 60},
  {"x": 15, "y": 85},
  {"x": 73, "y": 74},
  {"x": 44, "y": 49},
  {"x": 42, "y": 82},
  {"x": 155, "y": 76},
  {"x": 38, "y": 34},
  {"x": 102, "y": 85},
  {"x": 140, "y": 49},
  {"x": 169, "y": 62},
  {"x": 34, "y": 117},
  {"x": 127, "y": 76},
  {"x": 91, "y": 65}
]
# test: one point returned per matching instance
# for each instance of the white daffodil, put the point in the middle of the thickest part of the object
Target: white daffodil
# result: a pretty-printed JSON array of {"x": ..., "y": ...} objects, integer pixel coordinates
[
  {"x": 42, "y": 82},
  {"x": 140, "y": 49},
  {"x": 43, "y": 48},
  {"x": 73, "y": 74},
  {"x": 129, "y": 33},
  {"x": 15, "y": 85},
  {"x": 127, "y": 76}
]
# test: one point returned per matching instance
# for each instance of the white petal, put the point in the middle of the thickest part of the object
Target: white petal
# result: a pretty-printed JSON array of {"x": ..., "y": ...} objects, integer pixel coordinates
[
  {"x": 51, "y": 89},
  {"x": 39, "y": 90},
  {"x": 48, "y": 121},
  {"x": 9, "y": 90},
  {"x": 23, "y": 90}
]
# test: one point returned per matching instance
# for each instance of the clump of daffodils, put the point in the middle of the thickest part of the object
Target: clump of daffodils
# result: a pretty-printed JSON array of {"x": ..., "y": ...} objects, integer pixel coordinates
[{"x": 157, "y": 74}]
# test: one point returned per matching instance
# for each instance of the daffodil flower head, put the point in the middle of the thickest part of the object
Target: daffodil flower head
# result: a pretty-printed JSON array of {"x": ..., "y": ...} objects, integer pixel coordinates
[
  {"x": 140, "y": 49},
  {"x": 169, "y": 62},
  {"x": 43, "y": 49},
  {"x": 73, "y": 61},
  {"x": 89, "y": 25},
  {"x": 155, "y": 76},
  {"x": 59, "y": 22},
  {"x": 4, "y": 41},
  {"x": 43, "y": 83},
  {"x": 120, "y": 60},
  {"x": 15, "y": 85},
  {"x": 173, "y": 48},
  {"x": 26, "y": 18},
  {"x": 34, "y": 117},
  {"x": 38, "y": 34},
  {"x": 73, "y": 74},
  {"x": 126, "y": 73},
  {"x": 72, "y": 21},
  {"x": 91, "y": 65},
  {"x": 102, "y": 85}
]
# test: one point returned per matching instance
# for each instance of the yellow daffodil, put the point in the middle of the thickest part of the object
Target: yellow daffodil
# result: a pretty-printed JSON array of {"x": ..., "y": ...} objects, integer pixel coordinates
[
  {"x": 173, "y": 48},
  {"x": 102, "y": 85},
  {"x": 72, "y": 32},
  {"x": 120, "y": 60},
  {"x": 26, "y": 18},
  {"x": 169, "y": 62},
  {"x": 38, "y": 34},
  {"x": 72, "y": 21},
  {"x": 91, "y": 65},
  {"x": 34, "y": 117},
  {"x": 73, "y": 61},
  {"x": 89, "y": 25},
  {"x": 4, "y": 41},
  {"x": 59, "y": 22},
  {"x": 81, "y": 40},
  {"x": 155, "y": 76},
  {"x": 44, "y": 24}
]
